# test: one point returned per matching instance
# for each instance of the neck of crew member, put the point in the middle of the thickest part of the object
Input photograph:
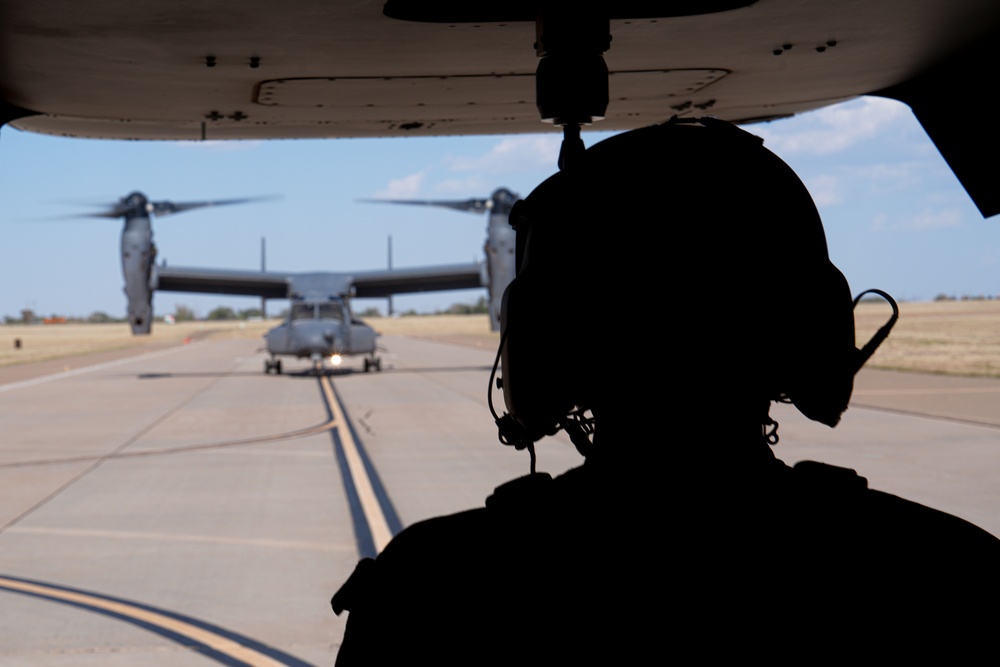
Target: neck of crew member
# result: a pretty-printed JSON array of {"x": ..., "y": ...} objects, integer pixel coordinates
[{"x": 657, "y": 440}]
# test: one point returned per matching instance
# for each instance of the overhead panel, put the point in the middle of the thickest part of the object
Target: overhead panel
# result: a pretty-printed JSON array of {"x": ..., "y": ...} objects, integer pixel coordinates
[
  {"x": 430, "y": 96},
  {"x": 462, "y": 11}
]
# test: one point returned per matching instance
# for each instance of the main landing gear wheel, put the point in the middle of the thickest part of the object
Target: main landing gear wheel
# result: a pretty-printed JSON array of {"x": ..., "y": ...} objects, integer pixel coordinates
[
  {"x": 272, "y": 365},
  {"x": 373, "y": 362}
]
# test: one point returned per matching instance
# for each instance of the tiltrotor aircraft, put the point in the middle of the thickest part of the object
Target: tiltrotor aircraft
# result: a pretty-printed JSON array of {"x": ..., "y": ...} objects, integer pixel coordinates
[{"x": 320, "y": 325}]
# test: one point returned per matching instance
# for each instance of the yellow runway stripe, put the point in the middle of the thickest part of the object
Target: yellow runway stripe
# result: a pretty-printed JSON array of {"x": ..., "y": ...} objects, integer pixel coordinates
[
  {"x": 199, "y": 635},
  {"x": 366, "y": 494}
]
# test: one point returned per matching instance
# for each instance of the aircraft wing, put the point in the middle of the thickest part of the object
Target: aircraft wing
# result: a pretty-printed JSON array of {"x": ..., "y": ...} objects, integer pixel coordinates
[
  {"x": 319, "y": 284},
  {"x": 195, "y": 70},
  {"x": 426, "y": 279},
  {"x": 220, "y": 281}
]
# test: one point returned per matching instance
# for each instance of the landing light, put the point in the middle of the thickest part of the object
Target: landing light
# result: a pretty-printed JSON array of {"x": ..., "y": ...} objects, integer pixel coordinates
[{"x": 335, "y": 360}]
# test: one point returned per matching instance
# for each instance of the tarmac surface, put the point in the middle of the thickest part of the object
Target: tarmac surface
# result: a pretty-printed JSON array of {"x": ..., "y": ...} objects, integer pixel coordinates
[{"x": 180, "y": 507}]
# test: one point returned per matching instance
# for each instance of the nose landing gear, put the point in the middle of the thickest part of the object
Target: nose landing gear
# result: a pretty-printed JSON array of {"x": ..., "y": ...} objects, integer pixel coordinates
[{"x": 373, "y": 362}]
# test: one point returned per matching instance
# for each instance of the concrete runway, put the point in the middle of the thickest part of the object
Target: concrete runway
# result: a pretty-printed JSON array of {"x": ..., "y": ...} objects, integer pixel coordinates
[{"x": 180, "y": 507}]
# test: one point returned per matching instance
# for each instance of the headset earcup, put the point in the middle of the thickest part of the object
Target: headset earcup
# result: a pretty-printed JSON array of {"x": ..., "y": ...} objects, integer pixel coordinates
[
  {"x": 533, "y": 379},
  {"x": 819, "y": 365}
]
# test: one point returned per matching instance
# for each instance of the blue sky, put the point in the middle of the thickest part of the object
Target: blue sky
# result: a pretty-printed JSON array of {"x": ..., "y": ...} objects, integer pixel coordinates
[{"x": 895, "y": 216}]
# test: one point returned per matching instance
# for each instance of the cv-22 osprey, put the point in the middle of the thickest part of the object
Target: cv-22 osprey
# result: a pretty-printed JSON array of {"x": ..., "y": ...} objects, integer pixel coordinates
[{"x": 320, "y": 325}]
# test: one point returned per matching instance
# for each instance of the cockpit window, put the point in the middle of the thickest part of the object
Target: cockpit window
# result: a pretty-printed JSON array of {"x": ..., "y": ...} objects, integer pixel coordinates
[
  {"x": 331, "y": 311},
  {"x": 302, "y": 311}
]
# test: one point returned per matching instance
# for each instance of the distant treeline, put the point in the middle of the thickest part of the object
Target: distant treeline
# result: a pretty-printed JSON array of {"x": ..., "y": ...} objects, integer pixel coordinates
[
  {"x": 185, "y": 314},
  {"x": 481, "y": 306},
  {"x": 947, "y": 297},
  {"x": 180, "y": 314}
]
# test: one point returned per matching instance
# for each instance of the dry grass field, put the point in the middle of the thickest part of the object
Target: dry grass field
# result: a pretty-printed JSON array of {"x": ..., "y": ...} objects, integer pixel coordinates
[
  {"x": 463, "y": 329},
  {"x": 42, "y": 342},
  {"x": 952, "y": 337}
]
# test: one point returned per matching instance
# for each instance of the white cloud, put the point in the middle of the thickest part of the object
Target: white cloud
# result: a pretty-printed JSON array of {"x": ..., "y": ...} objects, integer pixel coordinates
[
  {"x": 942, "y": 219},
  {"x": 884, "y": 179},
  {"x": 833, "y": 129},
  {"x": 889, "y": 177},
  {"x": 512, "y": 154},
  {"x": 402, "y": 188},
  {"x": 474, "y": 183},
  {"x": 923, "y": 221},
  {"x": 825, "y": 190}
]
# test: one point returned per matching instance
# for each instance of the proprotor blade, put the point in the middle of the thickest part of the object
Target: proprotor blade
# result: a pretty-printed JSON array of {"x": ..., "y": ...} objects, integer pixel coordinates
[
  {"x": 161, "y": 208},
  {"x": 467, "y": 205},
  {"x": 136, "y": 204}
]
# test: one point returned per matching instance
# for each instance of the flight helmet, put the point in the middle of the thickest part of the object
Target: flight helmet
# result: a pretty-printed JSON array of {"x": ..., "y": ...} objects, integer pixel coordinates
[{"x": 695, "y": 223}]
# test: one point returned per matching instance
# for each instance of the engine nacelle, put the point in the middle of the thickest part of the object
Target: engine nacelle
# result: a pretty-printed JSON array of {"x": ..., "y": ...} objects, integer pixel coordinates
[
  {"x": 138, "y": 255},
  {"x": 500, "y": 251}
]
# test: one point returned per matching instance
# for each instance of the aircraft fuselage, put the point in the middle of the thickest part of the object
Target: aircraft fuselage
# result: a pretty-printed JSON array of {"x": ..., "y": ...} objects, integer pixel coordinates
[{"x": 321, "y": 330}]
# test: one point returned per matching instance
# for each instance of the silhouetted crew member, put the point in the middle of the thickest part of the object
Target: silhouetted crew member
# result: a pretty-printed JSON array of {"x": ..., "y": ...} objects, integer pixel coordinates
[{"x": 681, "y": 535}]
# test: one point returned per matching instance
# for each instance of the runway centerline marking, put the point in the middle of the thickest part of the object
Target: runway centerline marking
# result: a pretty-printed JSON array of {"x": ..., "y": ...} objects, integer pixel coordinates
[
  {"x": 214, "y": 642},
  {"x": 360, "y": 481}
]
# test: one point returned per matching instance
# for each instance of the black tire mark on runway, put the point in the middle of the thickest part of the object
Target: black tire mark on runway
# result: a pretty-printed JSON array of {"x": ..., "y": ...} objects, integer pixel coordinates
[
  {"x": 212, "y": 641},
  {"x": 276, "y": 437},
  {"x": 966, "y": 421},
  {"x": 117, "y": 451}
]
